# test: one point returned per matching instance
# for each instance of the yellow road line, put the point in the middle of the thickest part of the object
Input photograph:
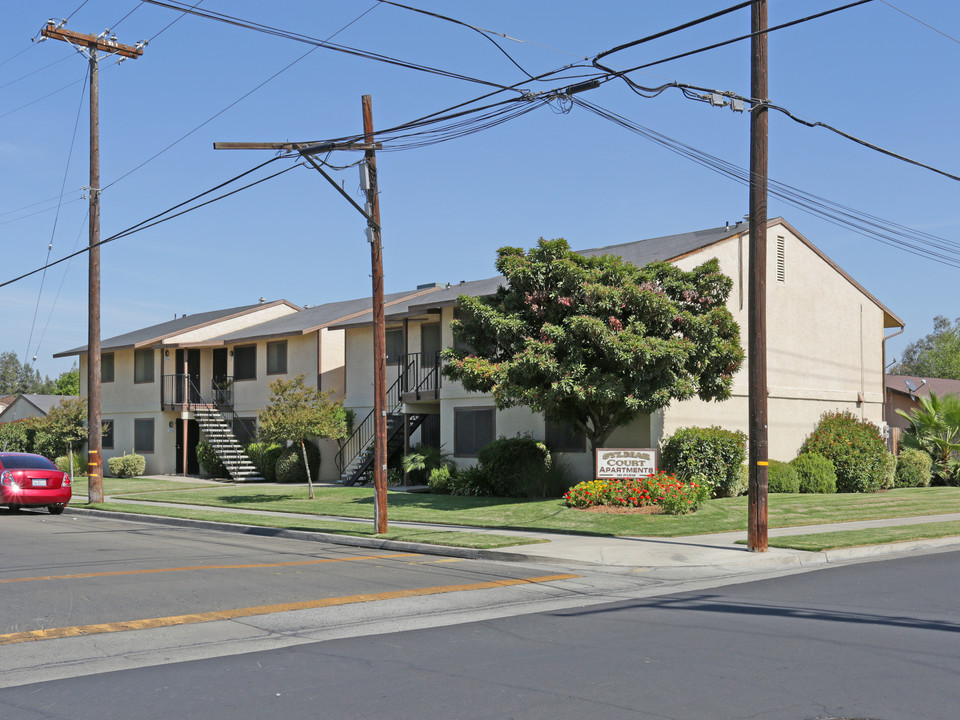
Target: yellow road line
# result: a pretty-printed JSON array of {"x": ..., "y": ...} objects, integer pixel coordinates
[
  {"x": 208, "y": 567},
  {"x": 150, "y": 623}
]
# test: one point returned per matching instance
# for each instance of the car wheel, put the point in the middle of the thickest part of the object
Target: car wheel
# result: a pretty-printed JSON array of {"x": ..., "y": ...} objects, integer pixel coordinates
[
  {"x": 13, "y": 508},
  {"x": 56, "y": 509}
]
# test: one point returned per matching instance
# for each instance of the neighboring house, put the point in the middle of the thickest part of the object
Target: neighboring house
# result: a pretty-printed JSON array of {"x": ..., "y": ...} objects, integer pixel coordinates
[
  {"x": 903, "y": 392},
  {"x": 825, "y": 351},
  {"x": 5, "y": 401},
  {"x": 29, "y": 405}
]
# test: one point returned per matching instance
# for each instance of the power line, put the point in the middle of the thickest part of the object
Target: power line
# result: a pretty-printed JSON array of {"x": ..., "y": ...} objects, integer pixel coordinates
[
  {"x": 299, "y": 37},
  {"x": 714, "y": 46},
  {"x": 56, "y": 218},
  {"x": 235, "y": 102},
  {"x": 160, "y": 217},
  {"x": 484, "y": 33},
  {"x": 912, "y": 17},
  {"x": 915, "y": 242}
]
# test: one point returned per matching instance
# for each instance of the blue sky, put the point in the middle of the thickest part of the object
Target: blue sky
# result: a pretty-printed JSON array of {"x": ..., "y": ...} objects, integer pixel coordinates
[{"x": 871, "y": 71}]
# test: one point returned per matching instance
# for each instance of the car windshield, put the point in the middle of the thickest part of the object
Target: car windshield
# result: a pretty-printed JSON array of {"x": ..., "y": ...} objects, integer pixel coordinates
[{"x": 26, "y": 462}]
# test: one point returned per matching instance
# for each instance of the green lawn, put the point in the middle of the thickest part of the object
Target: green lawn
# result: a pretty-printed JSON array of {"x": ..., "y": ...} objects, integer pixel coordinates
[
  {"x": 724, "y": 515},
  {"x": 453, "y": 538},
  {"x": 123, "y": 486},
  {"x": 817, "y": 542}
]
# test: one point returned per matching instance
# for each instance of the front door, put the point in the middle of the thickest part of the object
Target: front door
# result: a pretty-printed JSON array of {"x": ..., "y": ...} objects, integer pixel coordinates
[
  {"x": 193, "y": 437},
  {"x": 188, "y": 363}
]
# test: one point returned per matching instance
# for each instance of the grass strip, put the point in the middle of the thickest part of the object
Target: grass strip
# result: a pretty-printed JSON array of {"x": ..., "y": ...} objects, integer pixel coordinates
[
  {"x": 818, "y": 542},
  {"x": 479, "y": 541},
  {"x": 722, "y": 515},
  {"x": 125, "y": 486}
]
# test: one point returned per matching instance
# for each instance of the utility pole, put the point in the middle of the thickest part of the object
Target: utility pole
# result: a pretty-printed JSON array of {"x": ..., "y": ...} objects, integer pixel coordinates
[
  {"x": 757, "y": 299},
  {"x": 379, "y": 329},
  {"x": 372, "y": 215},
  {"x": 92, "y": 44}
]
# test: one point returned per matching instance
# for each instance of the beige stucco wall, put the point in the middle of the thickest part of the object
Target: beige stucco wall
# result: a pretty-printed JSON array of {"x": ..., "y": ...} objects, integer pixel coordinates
[{"x": 824, "y": 345}]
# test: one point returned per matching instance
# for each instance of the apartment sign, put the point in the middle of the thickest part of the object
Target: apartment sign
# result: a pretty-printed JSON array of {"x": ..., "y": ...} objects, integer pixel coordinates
[{"x": 619, "y": 463}]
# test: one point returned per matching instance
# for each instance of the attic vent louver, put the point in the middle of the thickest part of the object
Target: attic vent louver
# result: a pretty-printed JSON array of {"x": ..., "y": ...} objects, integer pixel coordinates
[{"x": 781, "y": 260}]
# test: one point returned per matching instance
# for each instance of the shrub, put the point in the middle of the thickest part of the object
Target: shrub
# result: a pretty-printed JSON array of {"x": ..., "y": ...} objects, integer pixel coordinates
[
  {"x": 470, "y": 481},
  {"x": 914, "y": 468},
  {"x": 713, "y": 453},
  {"x": 424, "y": 460},
  {"x": 782, "y": 478},
  {"x": 127, "y": 466},
  {"x": 889, "y": 471},
  {"x": 507, "y": 461},
  {"x": 290, "y": 468},
  {"x": 855, "y": 448},
  {"x": 264, "y": 456},
  {"x": 79, "y": 464},
  {"x": 209, "y": 461},
  {"x": 816, "y": 473},
  {"x": 439, "y": 480},
  {"x": 671, "y": 495}
]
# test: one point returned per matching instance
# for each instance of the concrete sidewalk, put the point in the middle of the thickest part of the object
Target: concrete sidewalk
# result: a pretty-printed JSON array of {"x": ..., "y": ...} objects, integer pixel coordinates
[{"x": 717, "y": 551}]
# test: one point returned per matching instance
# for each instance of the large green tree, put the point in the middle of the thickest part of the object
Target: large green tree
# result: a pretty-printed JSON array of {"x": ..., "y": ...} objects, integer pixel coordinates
[
  {"x": 296, "y": 412},
  {"x": 936, "y": 354},
  {"x": 595, "y": 341}
]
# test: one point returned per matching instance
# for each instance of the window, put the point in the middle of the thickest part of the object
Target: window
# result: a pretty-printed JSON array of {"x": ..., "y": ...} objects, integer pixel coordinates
[
  {"x": 472, "y": 429},
  {"x": 106, "y": 367},
  {"x": 245, "y": 362},
  {"x": 106, "y": 434},
  {"x": 430, "y": 343},
  {"x": 564, "y": 437},
  {"x": 394, "y": 346},
  {"x": 276, "y": 358},
  {"x": 142, "y": 366},
  {"x": 245, "y": 429},
  {"x": 143, "y": 435}
]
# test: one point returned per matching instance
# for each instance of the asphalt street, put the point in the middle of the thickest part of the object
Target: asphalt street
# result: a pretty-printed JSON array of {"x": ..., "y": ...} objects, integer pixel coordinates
[
  {"x": 874, "y": 640},
  {"x": 323, "y": 631}
]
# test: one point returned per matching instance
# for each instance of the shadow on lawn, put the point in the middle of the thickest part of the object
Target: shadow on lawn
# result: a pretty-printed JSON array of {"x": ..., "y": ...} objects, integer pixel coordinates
[{"x": 257, "y": 499}]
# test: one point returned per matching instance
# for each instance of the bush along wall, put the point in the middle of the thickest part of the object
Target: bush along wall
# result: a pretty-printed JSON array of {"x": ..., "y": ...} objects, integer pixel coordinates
[
  {"x": 710, "y": 455},
  {"x": 854, "y": 446},
  {"x": 816, "y": 473}
]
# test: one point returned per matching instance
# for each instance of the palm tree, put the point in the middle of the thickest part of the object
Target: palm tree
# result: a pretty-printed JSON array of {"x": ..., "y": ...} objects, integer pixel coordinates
[{"x": 935, "y": 429}]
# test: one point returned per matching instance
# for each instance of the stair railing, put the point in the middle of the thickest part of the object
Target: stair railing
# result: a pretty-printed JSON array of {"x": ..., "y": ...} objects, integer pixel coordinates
[
  {"x": 362, "y": 435},
  {"x": 421, "y": 373}
]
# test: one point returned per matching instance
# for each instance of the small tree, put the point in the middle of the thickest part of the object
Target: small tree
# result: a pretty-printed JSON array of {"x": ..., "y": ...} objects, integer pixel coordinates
[
  {"x": 297, "y": 412},
  {"x": 64, "y": 427},
  {"x": 594, "y": 341}
]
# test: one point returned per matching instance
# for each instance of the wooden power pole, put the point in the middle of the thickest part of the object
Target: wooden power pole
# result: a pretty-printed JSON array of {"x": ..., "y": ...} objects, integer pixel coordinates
[
  {"x": 757, "y": 299},
  {"x": 372, "y": 215},
  {"x": 92, "y": 44}
]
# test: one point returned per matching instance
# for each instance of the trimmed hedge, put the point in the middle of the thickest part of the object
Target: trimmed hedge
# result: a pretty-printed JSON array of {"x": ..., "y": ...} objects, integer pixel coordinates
[
  {"x": 816, "y": 473},
  {"x": 127, "y": 466},
  {"x": 782, "y": 478},
  {"x": 854, "y": 446},
  {"x": 290, "y": 467},
  {"x": 914, "y": 468},
  {"x": 712, "y": 454}
]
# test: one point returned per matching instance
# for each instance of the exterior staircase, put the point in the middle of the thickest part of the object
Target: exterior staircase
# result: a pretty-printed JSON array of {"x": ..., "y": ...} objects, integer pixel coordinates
[
  {"x": 224, "y": 443},
  {"x": 358, "y": 471}
]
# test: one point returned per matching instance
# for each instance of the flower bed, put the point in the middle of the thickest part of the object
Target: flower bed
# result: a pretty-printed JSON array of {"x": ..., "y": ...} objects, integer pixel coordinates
[{"x": 671, "y": 495}]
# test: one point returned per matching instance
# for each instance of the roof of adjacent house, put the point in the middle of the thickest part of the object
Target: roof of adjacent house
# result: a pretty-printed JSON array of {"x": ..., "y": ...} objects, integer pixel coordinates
[
  {"x": 153, "y": 334},
  {"x": 922, "y": 387},
  {"x": 43, "y": 403}
]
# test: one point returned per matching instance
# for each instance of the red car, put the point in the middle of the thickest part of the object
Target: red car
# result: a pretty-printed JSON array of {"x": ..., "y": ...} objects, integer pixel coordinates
[{"x": 29, "y": 480}]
